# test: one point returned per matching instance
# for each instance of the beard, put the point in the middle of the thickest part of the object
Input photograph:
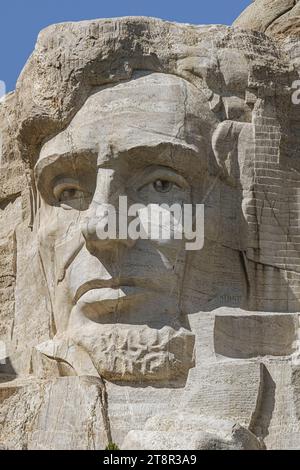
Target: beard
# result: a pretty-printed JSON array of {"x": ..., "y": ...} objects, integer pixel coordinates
[{"x": 127, "y": 353}]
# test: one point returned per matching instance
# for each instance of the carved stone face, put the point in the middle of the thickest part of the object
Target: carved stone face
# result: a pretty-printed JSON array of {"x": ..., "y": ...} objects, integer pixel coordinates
[{"x": 126, "y": 302}]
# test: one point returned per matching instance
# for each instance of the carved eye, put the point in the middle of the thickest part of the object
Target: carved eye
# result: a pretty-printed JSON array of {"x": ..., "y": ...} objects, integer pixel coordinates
[
  {"x": 160, "y": 183},
  {"x": 70, "y": 194},
  {"x": 163, "y": 186}
]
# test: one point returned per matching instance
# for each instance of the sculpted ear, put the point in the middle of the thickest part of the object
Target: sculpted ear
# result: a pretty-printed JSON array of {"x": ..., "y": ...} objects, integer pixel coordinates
[{"x": 230, "y": 142}]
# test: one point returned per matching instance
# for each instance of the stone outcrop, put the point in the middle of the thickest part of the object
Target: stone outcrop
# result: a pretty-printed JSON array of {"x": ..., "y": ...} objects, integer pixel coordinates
[
  {"x": 142, "y": 342},
  {"x": 275, "y": 18}
]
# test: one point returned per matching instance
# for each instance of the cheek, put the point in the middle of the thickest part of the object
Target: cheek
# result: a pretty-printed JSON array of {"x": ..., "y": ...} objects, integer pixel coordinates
[
  {"x": 56, "y": 225},
  {"x": 48, "y": 228},
  {"x": 173, "y": 258},
  {"x": 166, "y": 258},
  {"x": 59, "y": 237}
]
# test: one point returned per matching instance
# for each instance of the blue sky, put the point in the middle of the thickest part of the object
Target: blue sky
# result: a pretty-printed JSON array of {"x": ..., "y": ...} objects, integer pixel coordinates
[{"x": 21, "y": 20}]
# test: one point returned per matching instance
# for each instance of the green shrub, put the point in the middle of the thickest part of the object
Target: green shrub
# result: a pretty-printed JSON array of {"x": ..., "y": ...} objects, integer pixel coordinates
[{"x": 112, "y": 446}]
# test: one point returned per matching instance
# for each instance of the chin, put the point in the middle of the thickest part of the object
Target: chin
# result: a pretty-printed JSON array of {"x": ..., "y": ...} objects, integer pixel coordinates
[{"x": 129, "y": 353}]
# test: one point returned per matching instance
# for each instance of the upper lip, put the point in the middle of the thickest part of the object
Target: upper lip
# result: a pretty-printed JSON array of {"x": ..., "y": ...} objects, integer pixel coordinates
[{"x": 108, "y": 283}]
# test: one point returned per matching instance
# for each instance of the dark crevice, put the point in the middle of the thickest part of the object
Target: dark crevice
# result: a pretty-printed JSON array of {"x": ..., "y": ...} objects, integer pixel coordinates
[
  {"x": 9, "y": 200},
  {"x": 102, "y": 394},
  {"x": 262, "y": 416}
]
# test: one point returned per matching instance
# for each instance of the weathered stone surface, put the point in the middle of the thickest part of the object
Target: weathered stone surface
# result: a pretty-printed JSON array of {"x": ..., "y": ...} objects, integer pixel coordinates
[
  {"x": 253, "y": 335},
  {"x": 222, "y": 435},
  {"x": 63, "y": 414},
  {"x": 262, "y": 13},
  {"x": 276, "y": 18},
  {"x": 140, "y": 341}
]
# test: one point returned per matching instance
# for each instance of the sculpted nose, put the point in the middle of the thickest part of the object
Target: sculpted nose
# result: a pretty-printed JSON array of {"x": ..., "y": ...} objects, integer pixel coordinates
[
  {"x": 95, "y": 222},
  {"x": 101, "y": 228}
]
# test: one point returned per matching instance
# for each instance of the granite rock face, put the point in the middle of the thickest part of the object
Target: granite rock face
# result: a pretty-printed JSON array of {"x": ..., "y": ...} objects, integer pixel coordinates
[
  {"x": 140, "y": 341},
  {"x": 275, "y": 18}
]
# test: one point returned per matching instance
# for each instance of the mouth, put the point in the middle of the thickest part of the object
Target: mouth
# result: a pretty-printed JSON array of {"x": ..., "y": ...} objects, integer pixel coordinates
[
  {"x": 110, "y": 287},
  {"x": 96, "y": 303},
  {"x": 104, "y": 285}
]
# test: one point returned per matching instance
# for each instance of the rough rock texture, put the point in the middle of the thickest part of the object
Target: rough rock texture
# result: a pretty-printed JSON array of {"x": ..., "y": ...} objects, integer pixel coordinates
[
  {"x": 139, "y": 341},
  {"x": 276, "y": 18}
]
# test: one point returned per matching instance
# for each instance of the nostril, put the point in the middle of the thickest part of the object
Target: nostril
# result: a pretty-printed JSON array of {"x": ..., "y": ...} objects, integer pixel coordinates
[
  {"x": 88, "y": 227},
  {"x": 94, "y": 228}
]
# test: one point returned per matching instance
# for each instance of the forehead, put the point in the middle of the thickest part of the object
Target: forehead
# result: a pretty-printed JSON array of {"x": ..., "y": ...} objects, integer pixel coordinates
[{"x": 149, "y": 110}]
